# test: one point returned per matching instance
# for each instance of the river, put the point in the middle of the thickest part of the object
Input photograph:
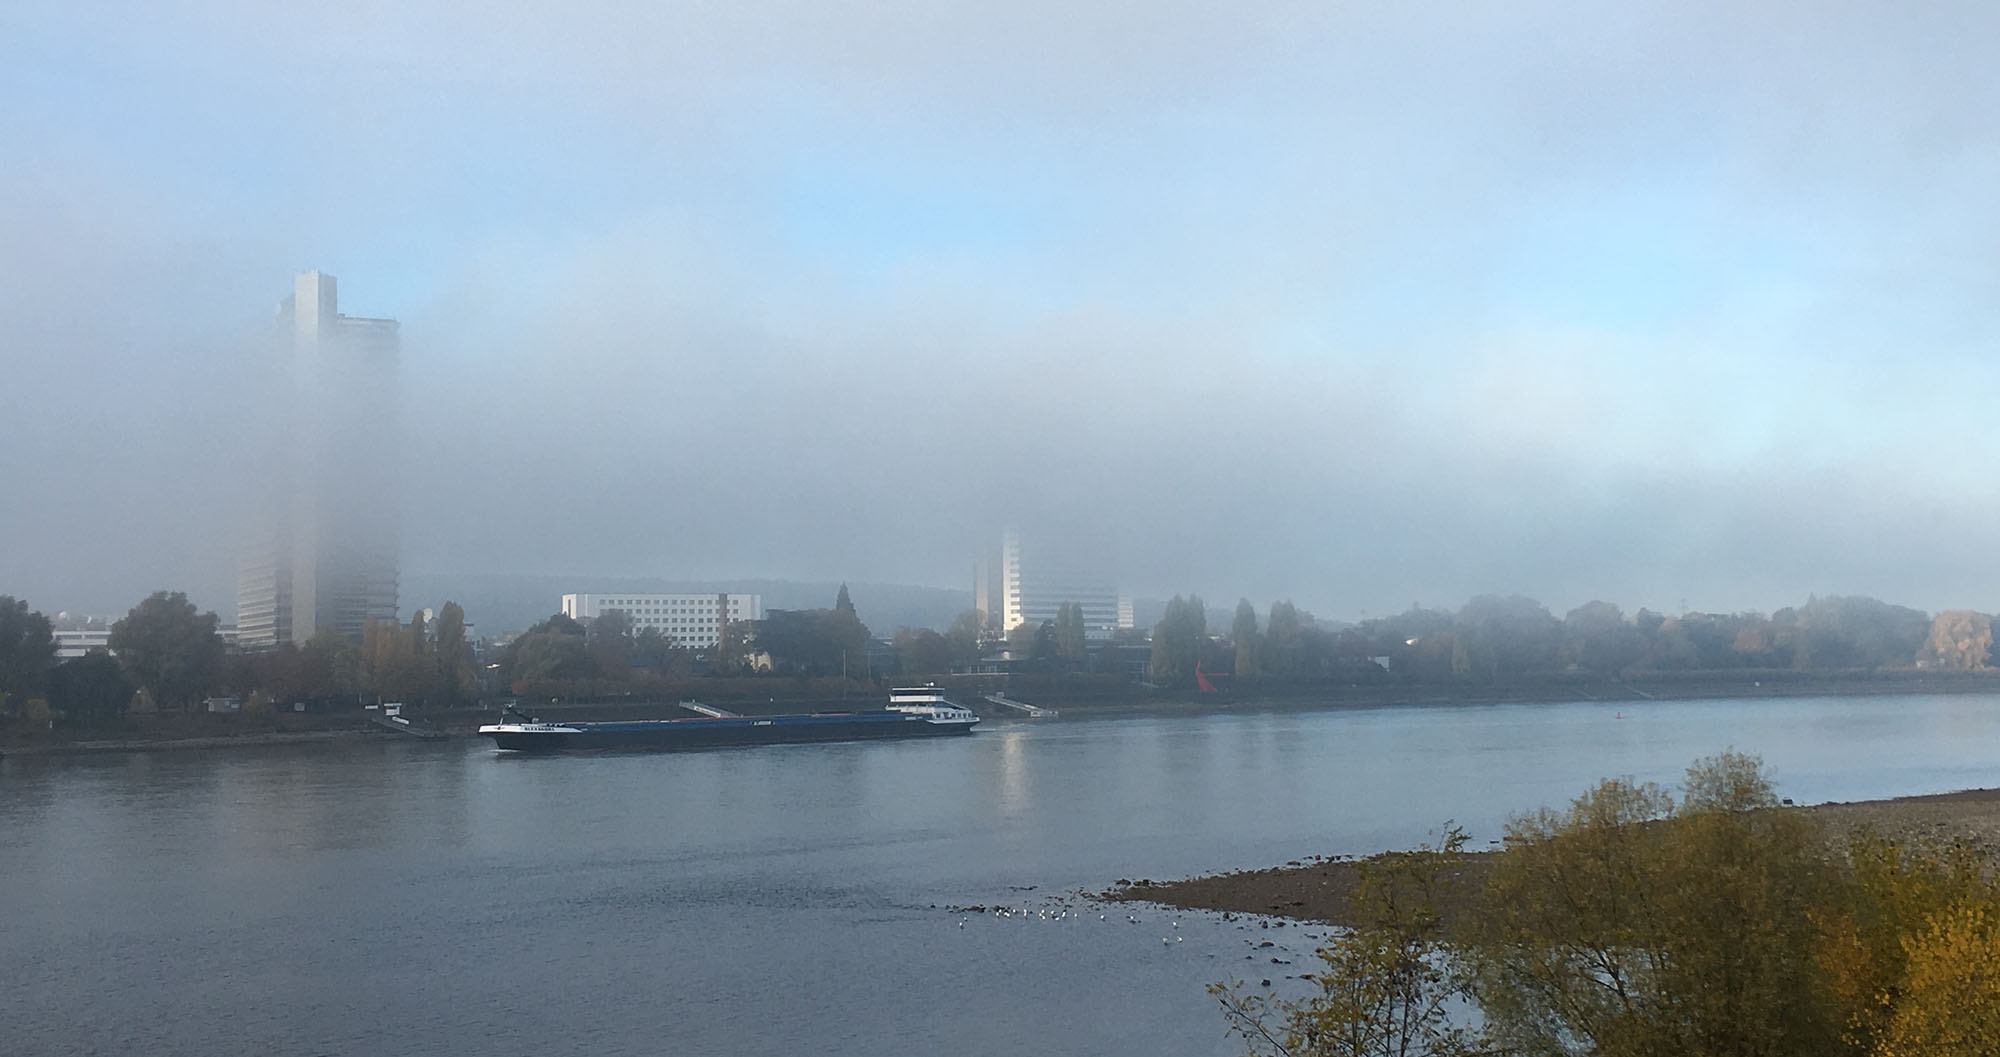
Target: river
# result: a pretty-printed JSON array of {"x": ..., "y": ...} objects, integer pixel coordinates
[{"x": 383, "y": 898}]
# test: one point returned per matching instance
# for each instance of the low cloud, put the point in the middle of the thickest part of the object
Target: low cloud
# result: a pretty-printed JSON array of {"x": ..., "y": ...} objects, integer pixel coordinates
[{"x": 1356, "y": 306}]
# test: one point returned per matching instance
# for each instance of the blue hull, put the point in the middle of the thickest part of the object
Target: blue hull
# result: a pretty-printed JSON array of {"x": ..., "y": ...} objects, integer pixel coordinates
[{"x": 731, "y": 730}]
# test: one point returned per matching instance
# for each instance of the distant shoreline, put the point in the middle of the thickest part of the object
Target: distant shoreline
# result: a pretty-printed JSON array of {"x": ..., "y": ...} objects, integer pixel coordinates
[
  {"x": 107, "y": 746},
  {"x": 1654, "y": 687},
  {"x": 201, "y": 732}
]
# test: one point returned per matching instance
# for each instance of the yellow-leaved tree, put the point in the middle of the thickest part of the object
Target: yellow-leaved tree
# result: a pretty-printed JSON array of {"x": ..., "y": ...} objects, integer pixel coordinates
[{"x": 1950, "y": 1003}]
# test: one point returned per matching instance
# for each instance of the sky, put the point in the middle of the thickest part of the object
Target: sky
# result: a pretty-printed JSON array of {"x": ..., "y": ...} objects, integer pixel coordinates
[{"x": 1354, "y": 304}]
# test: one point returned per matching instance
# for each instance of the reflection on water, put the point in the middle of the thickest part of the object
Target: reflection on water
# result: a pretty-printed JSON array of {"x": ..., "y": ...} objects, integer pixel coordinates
[
  {"x": 442, "y": 899},
  {"x": 1013, "y": 796}
]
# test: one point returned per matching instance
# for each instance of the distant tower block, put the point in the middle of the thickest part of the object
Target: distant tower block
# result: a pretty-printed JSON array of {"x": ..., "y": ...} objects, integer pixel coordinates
[
  {"x": 1036, "y": 578},
  {"x": 326, "y": 554}
]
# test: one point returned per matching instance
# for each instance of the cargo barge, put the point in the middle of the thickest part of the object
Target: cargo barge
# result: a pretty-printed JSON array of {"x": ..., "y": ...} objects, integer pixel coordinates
[{"x": 917, "y": 712}]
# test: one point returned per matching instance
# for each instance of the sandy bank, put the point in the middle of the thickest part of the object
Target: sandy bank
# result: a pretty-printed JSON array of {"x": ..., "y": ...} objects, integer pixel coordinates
[{"x": 1318, "y": 888}]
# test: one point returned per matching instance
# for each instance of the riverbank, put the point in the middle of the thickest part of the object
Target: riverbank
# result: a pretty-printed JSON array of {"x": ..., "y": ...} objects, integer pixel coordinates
[
  {"x": 1072, "y": 698},
  {"x": 1076, "y": 696},
  {"x": 178, "y": 731},
  {"x": 228, "y": 741},
  {"x": 1319, "y": 888},
  {"x": 1554, "y": 688}
]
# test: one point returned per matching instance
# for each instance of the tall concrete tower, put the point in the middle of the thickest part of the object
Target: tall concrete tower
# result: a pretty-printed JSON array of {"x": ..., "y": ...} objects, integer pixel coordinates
[
  {"x": 328, "y": 546},
  {"x": 1036, "y": 578}
]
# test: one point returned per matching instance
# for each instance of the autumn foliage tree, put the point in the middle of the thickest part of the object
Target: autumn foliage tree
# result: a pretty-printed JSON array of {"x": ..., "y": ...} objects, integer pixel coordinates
[
  {"x": 1960, "y": 640},
  {"x": 1633, "y": 924}
]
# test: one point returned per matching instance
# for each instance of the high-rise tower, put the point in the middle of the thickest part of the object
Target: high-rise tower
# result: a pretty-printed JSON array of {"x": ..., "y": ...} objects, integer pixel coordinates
[
  {"x": 1028, "y": 584},
  {"x": 327, "y": 550}
]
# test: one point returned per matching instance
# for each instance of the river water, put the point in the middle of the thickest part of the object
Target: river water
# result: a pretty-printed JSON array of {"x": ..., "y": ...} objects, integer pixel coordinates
[{"x": 381, "y": 898}]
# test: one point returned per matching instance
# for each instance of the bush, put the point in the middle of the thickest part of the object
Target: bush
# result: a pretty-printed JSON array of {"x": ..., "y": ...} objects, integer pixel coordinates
[{"x": 1632, "y": 926}]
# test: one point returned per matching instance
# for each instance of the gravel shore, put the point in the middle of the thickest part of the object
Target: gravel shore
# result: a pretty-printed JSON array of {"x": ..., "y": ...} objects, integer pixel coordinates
[
  {"x": 219, "y": 741},
  {"x": 1318, "y": 888}
]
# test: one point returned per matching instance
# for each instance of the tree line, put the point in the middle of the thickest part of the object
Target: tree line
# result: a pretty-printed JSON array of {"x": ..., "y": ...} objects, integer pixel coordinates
[
  {"x": 1497, "y": 640},
  {"x": 169, "y": 651},
  {"x": 170, "y": 654}
]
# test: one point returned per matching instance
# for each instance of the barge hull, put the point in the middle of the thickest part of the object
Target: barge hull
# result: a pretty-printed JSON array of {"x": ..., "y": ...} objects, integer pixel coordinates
[{"x": 712, "y": 733}]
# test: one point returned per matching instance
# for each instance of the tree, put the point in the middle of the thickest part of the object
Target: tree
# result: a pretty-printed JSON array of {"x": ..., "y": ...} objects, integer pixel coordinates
[
  {"x": 652, "y": 650},
  {"x": 27, "y": 651},
  {"x": 554, "y": 649},
  {"x": 813, "y": 641},
  {"x": 1870, "y": 934},
  {"x": 1597, "y": 638},
  {"x": 1177, "y": 640},
  {"x": 1071, "y": 638},
  {"x": 1960, "y": 640},
  {"x": 398, "y": 661},
  {"x": 842, "y": 603},
  {"x": 1387, "y": 986},
  {"x": 168, "y": 648},
  {"x": 610, "y": 640},
  {"x": 847, "y": 633},
  {"x": 1284, "y": 642},
  {"x": 454, "y": 654},
  {"x": 1021, "y": 638},
  {"x": 290, "y": 674},
  {"x": 1951, "y": 988},
  {"x": 549, "y": 656},
  {"x": 965, "y": 635},
  {"x": 1419, "y": 643},
  {"x": 923, "y": 651},
  {"x": 335, "y": 655},
  {"x": 90, "y": 690},
  {"x": 732, "y": 652},
  {"x": 1629, "y": 926},
  {"x": 1860, "y": 632},
  {"x": 383, "y": 644},
  {"x": 420, "y": 635},
  {"x": 1507, "y": 637},
  {"x": 1244, "y": 634},
  {"x": 1044, "y": 650}
]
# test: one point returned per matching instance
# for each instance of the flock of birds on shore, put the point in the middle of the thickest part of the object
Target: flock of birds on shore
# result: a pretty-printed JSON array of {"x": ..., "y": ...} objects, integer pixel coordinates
[{"x": 1065, "y": 909}]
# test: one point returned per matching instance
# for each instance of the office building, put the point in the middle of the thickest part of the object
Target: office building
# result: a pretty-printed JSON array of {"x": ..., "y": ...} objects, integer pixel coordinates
[
  {"x": 326, "y": 554},
  {"x": 989, "y": 589},
  {"x": 692, "y": 621},
  {"x": 1036, "y": 577}
]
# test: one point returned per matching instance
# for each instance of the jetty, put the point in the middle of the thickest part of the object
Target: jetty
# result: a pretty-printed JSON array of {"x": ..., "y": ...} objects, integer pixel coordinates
[
  {"x": 403, "y": 726},
  {"x": 1033, "y": 711}
]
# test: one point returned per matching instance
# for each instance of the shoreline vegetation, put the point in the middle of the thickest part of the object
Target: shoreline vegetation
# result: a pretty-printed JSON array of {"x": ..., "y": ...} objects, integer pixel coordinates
[
  {"x": 1715, "y": 920},
  {"x": 1321, "y": 888},
  {"x": 150, "y": 731},
  {"x": 164, "y": 674}
]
